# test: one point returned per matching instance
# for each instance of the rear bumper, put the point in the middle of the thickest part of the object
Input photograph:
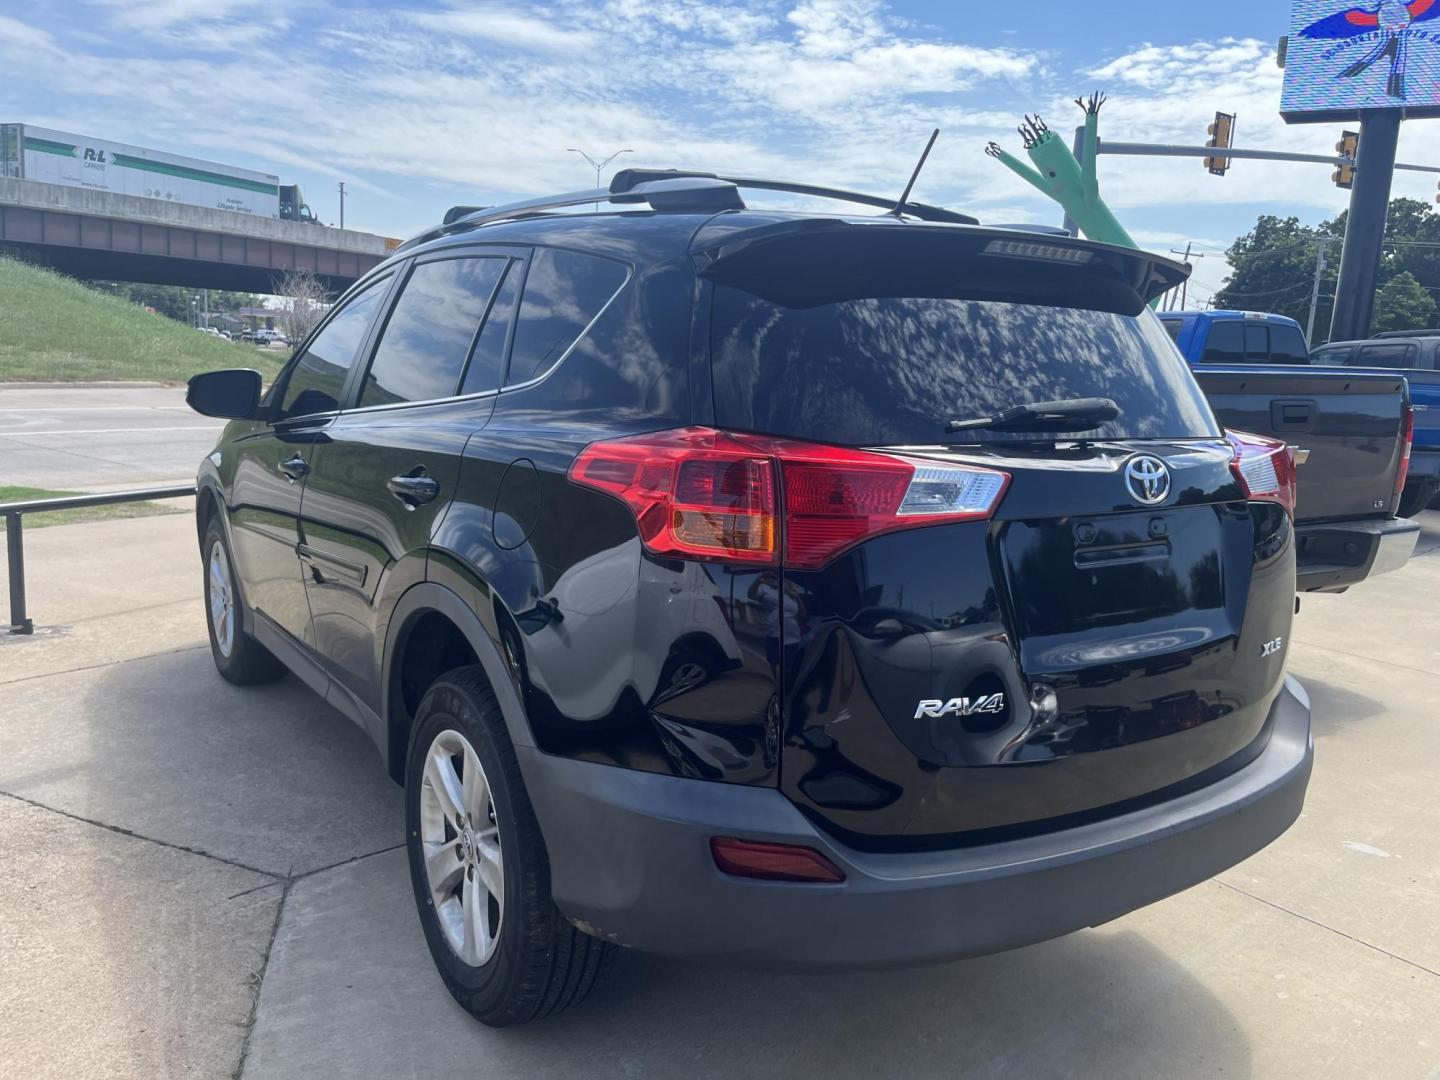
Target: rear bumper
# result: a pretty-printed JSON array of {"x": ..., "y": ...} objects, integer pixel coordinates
[
  {"x": 1339, "y": 554},
  {"x": 630, "y": 862}
]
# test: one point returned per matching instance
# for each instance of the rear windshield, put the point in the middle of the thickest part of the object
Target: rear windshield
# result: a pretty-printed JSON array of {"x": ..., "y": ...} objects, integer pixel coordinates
[{"x": 892, "y": 371}]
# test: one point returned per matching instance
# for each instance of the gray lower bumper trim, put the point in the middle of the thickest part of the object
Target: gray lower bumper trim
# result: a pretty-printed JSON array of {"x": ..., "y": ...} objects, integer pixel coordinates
[
  {"x": 1344, "y": 553},
  {"x": 630, "y": 861}
]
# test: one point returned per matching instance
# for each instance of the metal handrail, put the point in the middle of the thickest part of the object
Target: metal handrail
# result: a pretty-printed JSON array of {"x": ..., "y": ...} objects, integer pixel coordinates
[{"x": 14, "y": 512}]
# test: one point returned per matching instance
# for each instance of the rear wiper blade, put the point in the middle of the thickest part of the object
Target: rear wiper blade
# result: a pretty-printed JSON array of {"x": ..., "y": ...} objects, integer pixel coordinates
[{"x": 1074, "y": 414}]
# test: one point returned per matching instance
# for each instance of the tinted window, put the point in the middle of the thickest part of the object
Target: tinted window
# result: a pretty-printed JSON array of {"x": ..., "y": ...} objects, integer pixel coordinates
[
  {"x": 564, "y": 291},
  {"x": 1331, "y": 357},
  {"x": 489, "y": 355},
  {"x": 1287, "y": 345},
  {"x": 893, "y": 370},
  {"x": 1172, "y": 327},
  {"x": 1390, "y": 355},
  {"x": 1257, "y": 343},
  {"x": 317, "y": 377},
  {"x": 428, "y": 336},
  {"x": 1225, "y": 343}
]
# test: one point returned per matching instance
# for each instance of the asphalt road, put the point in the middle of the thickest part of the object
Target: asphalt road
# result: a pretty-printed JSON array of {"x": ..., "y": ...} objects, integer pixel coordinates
[{"x": 100, "y": 437}]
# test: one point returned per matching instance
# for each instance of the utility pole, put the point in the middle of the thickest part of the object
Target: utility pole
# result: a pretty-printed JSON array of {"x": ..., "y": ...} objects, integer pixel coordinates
[
  {"x": 342, "y": 204},
  {"x": 597, "y": 165},
  {"x": 1184, "y": 285},
  {"x": 1315, "y": 290}
]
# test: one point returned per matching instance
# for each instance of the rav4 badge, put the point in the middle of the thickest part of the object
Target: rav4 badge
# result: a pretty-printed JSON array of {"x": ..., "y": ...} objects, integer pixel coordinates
[{"x": 961, "y": 706}]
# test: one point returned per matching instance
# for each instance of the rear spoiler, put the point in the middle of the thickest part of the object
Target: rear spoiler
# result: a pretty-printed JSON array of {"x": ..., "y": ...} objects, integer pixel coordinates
[{"x": 813, "y": 261}]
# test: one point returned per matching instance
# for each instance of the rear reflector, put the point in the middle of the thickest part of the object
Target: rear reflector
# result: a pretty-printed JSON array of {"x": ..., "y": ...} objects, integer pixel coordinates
[
  {"x": 1407, "y": 437},
  {"x": 1264, "y": 467},
  {"x": 773, "y": 862},
  {"x": 712, "y": 494}
]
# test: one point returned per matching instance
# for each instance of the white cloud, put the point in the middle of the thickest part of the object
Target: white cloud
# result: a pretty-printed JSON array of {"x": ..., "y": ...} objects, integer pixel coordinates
[{"x": 507, "y": 28}]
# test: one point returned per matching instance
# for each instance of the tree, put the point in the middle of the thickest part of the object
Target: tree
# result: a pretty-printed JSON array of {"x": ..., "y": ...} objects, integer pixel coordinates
[
  {"x": 1273, "y": 266},
  {"x": 1403, "y": 304},
  {"x": 304, "y": 301}
]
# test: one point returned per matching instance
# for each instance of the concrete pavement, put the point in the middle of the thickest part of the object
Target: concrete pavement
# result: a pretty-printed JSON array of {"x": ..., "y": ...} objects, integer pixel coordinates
[
  {"x": 158, "y": 825},
  {"x": 100, "y": 437}
]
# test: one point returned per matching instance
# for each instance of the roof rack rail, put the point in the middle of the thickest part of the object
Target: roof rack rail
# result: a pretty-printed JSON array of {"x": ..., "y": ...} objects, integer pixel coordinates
[
  {"x": 669, "y": 189},
  {"x": 628, "y": 179},
  {"x": 670, "y": 193}
]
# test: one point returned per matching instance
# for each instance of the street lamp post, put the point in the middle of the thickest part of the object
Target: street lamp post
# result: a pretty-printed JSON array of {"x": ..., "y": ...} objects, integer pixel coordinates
[{"x": 598, "y": 166}]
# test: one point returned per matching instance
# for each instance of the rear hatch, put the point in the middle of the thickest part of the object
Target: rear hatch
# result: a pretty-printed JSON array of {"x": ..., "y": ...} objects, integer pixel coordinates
[{"x": 1086, "y": 644}]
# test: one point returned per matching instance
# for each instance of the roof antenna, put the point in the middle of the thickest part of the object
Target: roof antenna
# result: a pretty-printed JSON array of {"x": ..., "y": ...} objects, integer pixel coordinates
[{"x": 900, "y": 206}]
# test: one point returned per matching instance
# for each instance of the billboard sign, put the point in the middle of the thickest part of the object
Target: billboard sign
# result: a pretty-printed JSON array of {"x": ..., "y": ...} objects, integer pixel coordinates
[
  {"x": 1342, "y": 58},
  {"x": 57, "y": 157}
]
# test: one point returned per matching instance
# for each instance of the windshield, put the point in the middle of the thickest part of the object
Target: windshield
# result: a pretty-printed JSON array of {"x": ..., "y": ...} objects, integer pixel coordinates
[{"x": 892, "y": 371}]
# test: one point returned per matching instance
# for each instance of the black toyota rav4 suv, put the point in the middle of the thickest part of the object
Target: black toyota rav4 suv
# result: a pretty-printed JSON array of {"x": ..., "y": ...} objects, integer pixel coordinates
[{"x": 802, "y": 590}]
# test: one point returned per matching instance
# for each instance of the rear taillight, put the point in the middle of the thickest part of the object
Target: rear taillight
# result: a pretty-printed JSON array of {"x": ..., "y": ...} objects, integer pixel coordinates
[
  {"x": 1407, "y": 436},
  {"x": 1265, "y": 468},
  {"x": 707, "y": 493},
  {"x": 773, "y": 862}
]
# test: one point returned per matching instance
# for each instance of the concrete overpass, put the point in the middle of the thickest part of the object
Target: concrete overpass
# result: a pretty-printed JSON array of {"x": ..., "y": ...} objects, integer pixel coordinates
[{"x": 106, "y": 236}]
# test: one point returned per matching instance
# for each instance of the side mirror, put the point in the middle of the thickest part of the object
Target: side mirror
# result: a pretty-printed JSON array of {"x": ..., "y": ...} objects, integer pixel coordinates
[{"x": 233, "y": 394}]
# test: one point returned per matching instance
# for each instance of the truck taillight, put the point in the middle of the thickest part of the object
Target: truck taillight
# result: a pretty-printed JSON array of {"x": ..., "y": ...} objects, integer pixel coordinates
[
  {"x": 1264, "y": 467},
  {"x": 1407, "y": 436},
  {"x": 712, "y": 494}
]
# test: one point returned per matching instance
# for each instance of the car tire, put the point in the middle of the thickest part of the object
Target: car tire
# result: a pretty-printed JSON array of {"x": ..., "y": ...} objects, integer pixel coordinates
[
  {"x": 508, "y": 957},
  {"x": 239, "y": 658}
]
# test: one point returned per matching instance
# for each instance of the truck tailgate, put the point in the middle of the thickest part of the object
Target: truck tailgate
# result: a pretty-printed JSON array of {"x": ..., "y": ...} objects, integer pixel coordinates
[{"x": 1349, "y": 422}]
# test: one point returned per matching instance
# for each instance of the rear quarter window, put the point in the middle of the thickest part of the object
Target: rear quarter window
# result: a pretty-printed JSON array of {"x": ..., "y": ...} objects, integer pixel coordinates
[
  {"x": 564, "y": 292},
  {"x": 888, "y": 370},
  {"x": 1388, "y": 355}
]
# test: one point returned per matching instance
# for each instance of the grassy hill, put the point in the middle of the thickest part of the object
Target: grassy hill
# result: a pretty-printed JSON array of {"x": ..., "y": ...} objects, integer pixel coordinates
[{"x": 55, "y": 329}]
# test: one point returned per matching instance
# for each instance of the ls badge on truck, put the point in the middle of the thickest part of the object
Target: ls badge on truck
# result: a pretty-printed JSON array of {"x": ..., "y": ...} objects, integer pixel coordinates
[
  {"x": 1271, "y": 647},
  {"x": 961, "y": 706}
]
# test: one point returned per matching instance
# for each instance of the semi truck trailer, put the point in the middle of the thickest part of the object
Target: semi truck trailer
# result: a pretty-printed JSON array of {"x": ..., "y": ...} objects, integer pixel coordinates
[{"x": 30, "y": 152}]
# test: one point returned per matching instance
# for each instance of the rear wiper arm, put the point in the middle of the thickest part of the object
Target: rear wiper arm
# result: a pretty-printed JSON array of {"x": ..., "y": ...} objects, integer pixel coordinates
[{"x": 1074, "y": 414}]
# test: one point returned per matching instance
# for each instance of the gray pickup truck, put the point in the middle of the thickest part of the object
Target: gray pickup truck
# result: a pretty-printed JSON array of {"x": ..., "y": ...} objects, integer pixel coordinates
[{"x": 1352, "y": 433}]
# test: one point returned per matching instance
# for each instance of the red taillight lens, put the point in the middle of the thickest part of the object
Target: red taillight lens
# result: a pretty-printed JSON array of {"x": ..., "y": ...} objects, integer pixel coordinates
[
  {"x": 1407, "y": 436},
  {"x": 694, "y": 492},
  {"x": 707, "y": 493},
  {"x": 773, "y": 862},
  {"x": 1264, "y": 467}
]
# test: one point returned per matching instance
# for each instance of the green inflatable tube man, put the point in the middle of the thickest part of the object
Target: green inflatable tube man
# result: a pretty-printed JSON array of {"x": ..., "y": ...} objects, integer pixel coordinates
[{"x": 1066, "y": 180}]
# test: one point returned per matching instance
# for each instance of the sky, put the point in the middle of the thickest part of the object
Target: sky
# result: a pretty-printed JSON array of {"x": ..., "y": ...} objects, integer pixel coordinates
[{"x": 420, "y": 107}]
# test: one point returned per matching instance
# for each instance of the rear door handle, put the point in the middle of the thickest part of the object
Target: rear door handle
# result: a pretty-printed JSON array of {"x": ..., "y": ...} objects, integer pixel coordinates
[
  {"x": 414, "y": 488},
  {"x": 293, "y": 468}
]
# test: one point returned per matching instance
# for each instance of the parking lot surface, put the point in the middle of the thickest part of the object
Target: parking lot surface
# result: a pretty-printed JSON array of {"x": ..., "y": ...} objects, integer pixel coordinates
[
  {"x": 100, "y": 437},
  {"x": 206, "y": 881}
]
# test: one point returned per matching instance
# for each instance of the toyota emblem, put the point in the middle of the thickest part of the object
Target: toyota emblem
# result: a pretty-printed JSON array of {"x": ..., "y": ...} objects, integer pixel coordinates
[{"x": 1147, "y": 478}]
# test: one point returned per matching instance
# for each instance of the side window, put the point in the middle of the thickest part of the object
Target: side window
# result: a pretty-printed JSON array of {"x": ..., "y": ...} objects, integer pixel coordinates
[
  {"x": 1388, "y": 355},
  {"x": 1172, "y": 327},
  {"x": 1338, "y": 357},
  {"x": 427, "y": 338},
  {"x": 1257, "y": 343},
  {"x": 488, "y": 357},
  {"x": 1287, "y": 346},
  {"x": 317, "y": 376},
  {"x": 1226, "y": 344},
  {"x": 564, "y": 291}
]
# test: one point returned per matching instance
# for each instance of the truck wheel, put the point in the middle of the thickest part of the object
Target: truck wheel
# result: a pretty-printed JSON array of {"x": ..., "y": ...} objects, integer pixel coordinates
[
  {"x": 1414, "y": 499},
  {"x": 239, "y": 658},
  {"x": 479, "y": 867}
]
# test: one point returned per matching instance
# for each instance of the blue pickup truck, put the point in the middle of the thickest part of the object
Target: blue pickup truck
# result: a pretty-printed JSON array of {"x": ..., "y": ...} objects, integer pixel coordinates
[{"x": 1350, "y": 428}]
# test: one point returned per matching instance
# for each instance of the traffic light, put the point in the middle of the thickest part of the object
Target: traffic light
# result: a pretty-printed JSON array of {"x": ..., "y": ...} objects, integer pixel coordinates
[
  {"x": 1222, "y": 134},
  {"x": 1344, "y": 175}
]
